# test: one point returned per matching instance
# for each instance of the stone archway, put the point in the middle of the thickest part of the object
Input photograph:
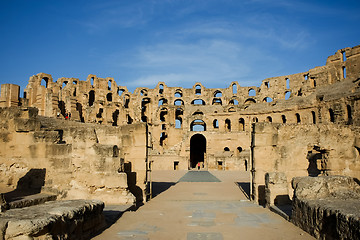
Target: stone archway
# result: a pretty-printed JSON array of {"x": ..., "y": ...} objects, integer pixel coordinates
[{"x": 197, "y": 150}]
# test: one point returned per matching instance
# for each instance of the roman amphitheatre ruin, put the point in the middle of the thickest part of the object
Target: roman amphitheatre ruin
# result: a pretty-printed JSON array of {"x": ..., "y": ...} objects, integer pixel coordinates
[{"x": 297, "y": 137}]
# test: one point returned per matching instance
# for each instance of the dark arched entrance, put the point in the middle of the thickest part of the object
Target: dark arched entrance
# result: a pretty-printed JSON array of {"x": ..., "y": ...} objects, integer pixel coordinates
[{"x": 197, "y": 150}]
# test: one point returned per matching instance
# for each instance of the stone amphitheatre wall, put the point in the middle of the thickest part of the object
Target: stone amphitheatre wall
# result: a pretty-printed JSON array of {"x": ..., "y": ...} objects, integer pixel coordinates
[
  {"x": 71, "y": 159},
  {"x": 303, "y": 150},
  {"x": 222, "y": 128}
]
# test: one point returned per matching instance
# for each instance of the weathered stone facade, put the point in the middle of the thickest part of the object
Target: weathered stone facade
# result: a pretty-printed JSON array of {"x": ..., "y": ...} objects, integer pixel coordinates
[
  {"x": 71, "y": 159},
  {"x": 301, "y": 124}
]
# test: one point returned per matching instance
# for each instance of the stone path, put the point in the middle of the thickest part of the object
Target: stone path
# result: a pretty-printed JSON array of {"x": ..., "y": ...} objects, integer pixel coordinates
[{"x": 194, "y": 209}]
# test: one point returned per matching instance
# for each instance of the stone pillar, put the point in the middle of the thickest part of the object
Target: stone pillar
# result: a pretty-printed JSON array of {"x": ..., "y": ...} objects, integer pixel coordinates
[
  {"x": 276, "y": 189},
  {"x": 9, "y": 95}
]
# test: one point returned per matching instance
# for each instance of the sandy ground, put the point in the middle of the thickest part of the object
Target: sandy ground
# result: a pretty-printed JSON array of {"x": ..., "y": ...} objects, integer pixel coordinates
[{"x": 201, "y": 211}]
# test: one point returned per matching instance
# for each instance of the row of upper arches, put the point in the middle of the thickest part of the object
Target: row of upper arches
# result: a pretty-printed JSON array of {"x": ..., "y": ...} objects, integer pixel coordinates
[
  {"x": 218, "y": 101},
  {"x": 144, "y": 92},
  {"x": 200, "y": 125}
]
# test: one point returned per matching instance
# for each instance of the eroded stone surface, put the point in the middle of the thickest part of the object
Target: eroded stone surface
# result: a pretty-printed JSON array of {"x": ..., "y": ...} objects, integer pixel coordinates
[
  {"x": 327, "y": 207},
  {"x": 73, "y": 219}
]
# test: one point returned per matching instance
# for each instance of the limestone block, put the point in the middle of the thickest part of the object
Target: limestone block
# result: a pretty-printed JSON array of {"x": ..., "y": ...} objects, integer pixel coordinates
[
  {"x": 73, "y": 219},
  {"x": 341, "y": 187},
  {"x": 327, "y": 207},
  {"x": 115, "y": 181},
  {"x": 276, "y": 189}
]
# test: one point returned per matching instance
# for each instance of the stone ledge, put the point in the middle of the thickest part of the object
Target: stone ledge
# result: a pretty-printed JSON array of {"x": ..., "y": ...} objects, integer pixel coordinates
[
  {"x": 327, "y": 207},
  {"x": 73, "y": 219},
  {"x": 328, "y": 219},
  {"x": 31, "y": 200}
]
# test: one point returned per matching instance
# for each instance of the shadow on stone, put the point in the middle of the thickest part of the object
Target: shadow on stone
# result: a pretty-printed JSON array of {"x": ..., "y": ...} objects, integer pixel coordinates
[
  {"x": 159, "y": 187},
  {"x": 245, "y": 188},
  {"x": 30, "y": 184}
]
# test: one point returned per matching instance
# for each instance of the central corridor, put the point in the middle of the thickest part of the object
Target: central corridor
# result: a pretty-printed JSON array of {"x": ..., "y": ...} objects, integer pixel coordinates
[{"x": 201, "y": 205}]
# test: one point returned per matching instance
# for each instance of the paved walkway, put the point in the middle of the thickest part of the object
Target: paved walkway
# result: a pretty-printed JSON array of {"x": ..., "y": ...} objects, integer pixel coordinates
[{"x": 194, "y": 209}]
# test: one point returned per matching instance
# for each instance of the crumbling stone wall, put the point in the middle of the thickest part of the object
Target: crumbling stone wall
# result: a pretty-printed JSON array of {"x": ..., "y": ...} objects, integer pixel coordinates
[
  {"x": 173, "y": 114},
  {"x": 303, "y": 150},
  {"x": 327, "y": 207},
  {"x": 277, "y": 126},
  {"x": 75, "y": 160}
]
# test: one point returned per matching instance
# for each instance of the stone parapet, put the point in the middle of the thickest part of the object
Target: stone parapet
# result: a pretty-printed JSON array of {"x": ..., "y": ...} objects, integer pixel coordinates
[
  {"x": 74, "y": 219},
  {"x": 327, "y": 207}
]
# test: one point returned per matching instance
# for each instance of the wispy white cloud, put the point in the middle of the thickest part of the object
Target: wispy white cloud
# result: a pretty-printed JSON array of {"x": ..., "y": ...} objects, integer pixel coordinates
[{"x": 214, "y": 62}]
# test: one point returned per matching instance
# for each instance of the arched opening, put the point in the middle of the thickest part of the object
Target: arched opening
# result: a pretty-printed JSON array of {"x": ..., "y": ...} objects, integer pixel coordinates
[
  {"x": 239, "y": 149},
  {"x": 198, "y": 90},
  {"x": 298, "y": 119},
  {"x": 216, "y": 123},
  {"x": 79, "y": 109},
  {"x": 120, "y": 91},
  {"x": 344, "y": 72},
  {"x": 91, "y": 97},
  {"x": 252, "y": 92},
  {"x": 313, "y": 82},
  {"x": 178, "y": 118},
  {"x": 115, "y": 117},
  {"x": 64, "y": 84},
  {"x": 231, "y": 109},
  {"x": 109, "y": 97},
  {"x": 198, "y": 125},
  {"x": 269, "y": 119},
  {"x": 216, "y": 101},
  {"x": 161, "y": 89},
  {"x": 198, "y": 113},
  {"x": 331, "y": 115},
  {"x": 313, "y": 117},
  {"x": 143, "y": 92},
  {"x": 217, "y": 94},
  {"x": 197, "y": 150},
  {"x": 234, "y": 102},
  {"x": 283, "y": 118},
  {"x": 226, "y": 149},
  {"x": 178, "y": 93},
  {"x": 250, "y": 101},
  {"x": 109, "y": 85},
  {"x": 162, "y": 101},
  {"x": 287, "y": 95},
  {"x": 92, "y": 81},
  {"x": 349, "y": 114},
  {"x": 44, "y": 82},
  {"x": 227, "y": 125},
  {"x": 198, "y": 102},
  {"x": 163, "y": 137},
  {"x": 287, "y": 83},
  {"x": 178, "y": 102},
  {"x": 126, "y": 101},
  {"x": 163, "y": 114},
  {"x": 178, "y": 122},
  {"x": 234, "y": 88},
  {"x": 267, "y": 99},
  {"x": 145, "y": 109},
  {"x": 241, "y": 124}
]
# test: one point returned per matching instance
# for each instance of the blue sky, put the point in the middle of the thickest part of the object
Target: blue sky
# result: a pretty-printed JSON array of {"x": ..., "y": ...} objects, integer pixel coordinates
[{"x": 180, "y": 42}]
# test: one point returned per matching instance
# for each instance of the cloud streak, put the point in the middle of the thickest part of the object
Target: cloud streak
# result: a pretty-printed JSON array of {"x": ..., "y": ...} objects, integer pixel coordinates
[{"x": 213, "y": 62}]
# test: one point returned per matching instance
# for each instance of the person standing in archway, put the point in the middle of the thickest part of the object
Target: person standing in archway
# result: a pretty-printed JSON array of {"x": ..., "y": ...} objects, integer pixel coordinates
[{"x": 198, "y": 165}]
